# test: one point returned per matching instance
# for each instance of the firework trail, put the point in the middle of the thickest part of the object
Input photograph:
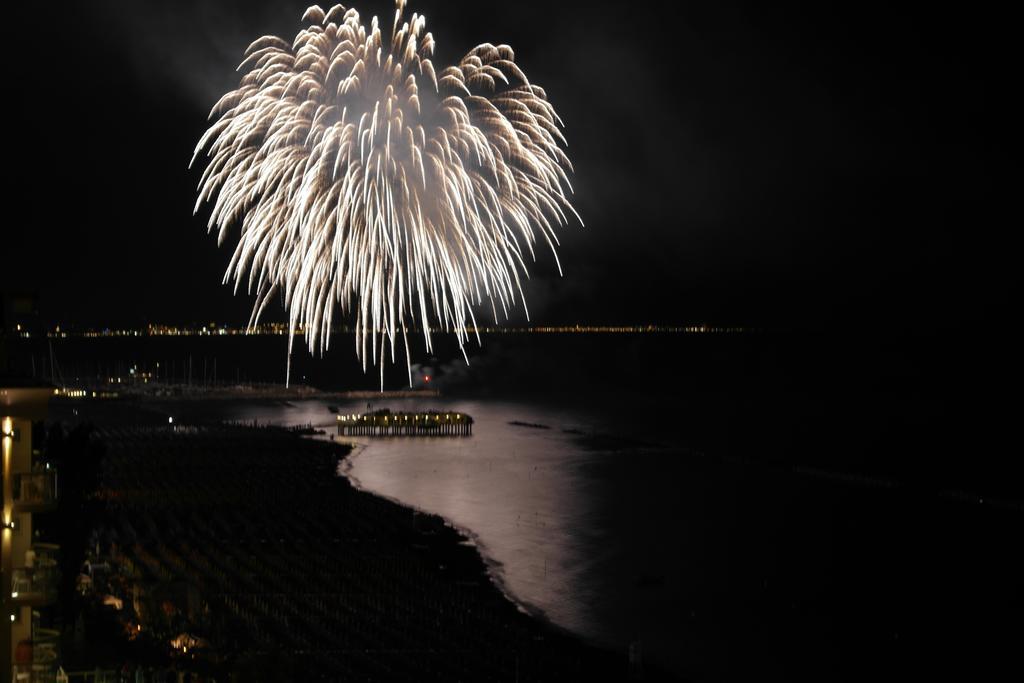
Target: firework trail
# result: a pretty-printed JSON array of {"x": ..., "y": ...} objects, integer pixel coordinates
[{"x": 366, "y": 181}]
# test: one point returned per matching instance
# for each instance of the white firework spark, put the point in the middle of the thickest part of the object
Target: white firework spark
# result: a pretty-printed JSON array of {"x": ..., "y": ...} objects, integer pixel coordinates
[{"x": 367, "y": 182}]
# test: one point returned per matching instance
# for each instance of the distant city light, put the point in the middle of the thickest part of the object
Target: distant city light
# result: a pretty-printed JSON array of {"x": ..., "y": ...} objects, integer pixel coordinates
[{"x": 281, "y": 329}]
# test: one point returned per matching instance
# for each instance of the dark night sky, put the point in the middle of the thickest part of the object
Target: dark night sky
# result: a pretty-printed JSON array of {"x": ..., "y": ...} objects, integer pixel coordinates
[{"x": 737, "y": 164}]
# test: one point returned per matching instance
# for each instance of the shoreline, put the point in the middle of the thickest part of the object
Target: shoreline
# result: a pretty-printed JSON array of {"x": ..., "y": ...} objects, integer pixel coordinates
[
  {"x": 494, "y": 567},
  {"x": 431, "y": 557}
]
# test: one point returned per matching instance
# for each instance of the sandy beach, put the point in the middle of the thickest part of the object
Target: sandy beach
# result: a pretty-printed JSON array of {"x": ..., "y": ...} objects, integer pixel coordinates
[{"x": 239, "y": 553}]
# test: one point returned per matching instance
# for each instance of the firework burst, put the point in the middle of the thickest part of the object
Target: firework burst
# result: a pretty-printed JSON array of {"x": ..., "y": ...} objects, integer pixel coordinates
[{"x": 367, "y": 182}]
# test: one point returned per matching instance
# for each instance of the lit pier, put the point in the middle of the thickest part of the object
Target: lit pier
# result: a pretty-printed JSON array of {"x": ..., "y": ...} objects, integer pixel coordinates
[{"x": 386, "y": 423}]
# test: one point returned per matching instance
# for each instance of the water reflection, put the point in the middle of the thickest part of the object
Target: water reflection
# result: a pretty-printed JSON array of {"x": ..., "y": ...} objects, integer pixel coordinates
[{"x": 549, "y": 516}]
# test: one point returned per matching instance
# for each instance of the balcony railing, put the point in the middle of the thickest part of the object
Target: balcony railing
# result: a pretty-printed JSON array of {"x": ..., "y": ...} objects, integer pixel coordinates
[
  {"x": 35, "y": 491},
  {"x": 35, "y": 673},
  {"x": 37, "y": 584},
  {"x": 45, "y": 656}
]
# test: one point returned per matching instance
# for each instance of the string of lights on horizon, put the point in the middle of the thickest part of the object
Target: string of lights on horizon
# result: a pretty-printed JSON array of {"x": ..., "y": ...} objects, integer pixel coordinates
[{"x": 281, "y": 329}]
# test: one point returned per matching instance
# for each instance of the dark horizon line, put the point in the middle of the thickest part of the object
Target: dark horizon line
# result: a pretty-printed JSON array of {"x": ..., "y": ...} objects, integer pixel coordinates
[{"x": 281, "y": 329}]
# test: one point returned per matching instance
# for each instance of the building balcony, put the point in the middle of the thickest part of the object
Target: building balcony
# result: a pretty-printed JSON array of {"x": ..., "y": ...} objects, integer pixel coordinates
[
  {"x": 35, "y": 491},
  {"x": 35, "y": 673},
  {"x": 37, "y": 584},
  {"x": 37, "y": 660}
]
